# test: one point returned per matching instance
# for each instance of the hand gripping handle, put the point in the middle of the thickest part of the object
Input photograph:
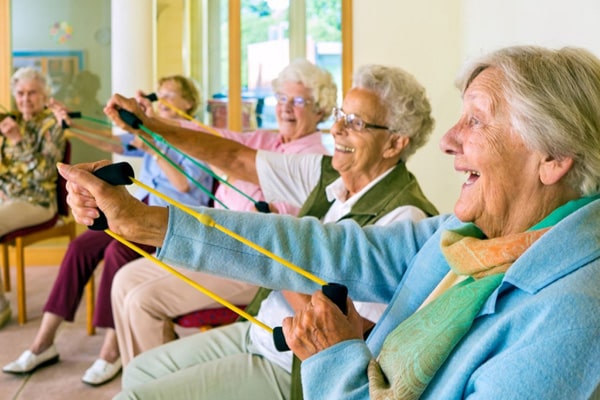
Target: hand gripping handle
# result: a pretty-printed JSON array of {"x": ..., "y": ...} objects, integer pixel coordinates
[
  {"x": 115, "y": 174},
  {"x": 334, "y": 292},
  {"x": 71, "y": 114}
]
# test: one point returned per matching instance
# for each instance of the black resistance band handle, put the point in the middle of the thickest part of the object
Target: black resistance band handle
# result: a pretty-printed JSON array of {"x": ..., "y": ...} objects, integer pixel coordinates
[
  {"x": 152, "y": 97},
  {"x": 115, "y": 174},
  {"x": 130, "y": 119},
  {"x": 71, "y": 114},
  {"x": 335, "y": 292},
  {"x": 262, "y": 206}
]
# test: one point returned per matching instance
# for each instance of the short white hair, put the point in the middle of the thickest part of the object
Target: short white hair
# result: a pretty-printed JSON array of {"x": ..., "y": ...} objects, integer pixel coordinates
[
  {"x": 318, "y": 80},
  {"x": 31, "y": 74}
]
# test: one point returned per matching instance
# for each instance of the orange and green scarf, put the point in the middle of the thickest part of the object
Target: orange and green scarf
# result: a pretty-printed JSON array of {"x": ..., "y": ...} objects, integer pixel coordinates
[{"x": 413, "y": 352}]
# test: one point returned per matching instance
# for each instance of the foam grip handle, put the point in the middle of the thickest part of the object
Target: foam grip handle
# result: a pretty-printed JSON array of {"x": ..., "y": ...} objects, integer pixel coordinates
[
  {"x": 115, "y": 174},
  {"x": 71, "y": 114},
  {"x": 334, "y": 292},
  {"x": 279, "y": 339},
  {"x": 338, "y": 294},
  {"x": 130, "y": 119},
  {"x": 152, "y": 97},
  {"x": 262, "y": 206}
]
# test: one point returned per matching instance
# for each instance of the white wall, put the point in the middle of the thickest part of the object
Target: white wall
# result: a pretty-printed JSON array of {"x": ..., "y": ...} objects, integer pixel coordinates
[
  {"x": 490, "y": 24},
  {"x": 431, "y": 39},
  {"x": 424, "y": 38}
]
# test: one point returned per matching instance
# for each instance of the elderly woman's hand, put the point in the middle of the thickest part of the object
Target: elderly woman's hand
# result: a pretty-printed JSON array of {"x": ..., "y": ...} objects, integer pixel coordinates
[
  {"x": 321, "y": 324},
  {"x": 145, "y": 103},
  {"x": 60, "y": 111},
  {"x": 118, "y": 102},
  {"x": 10, "y": 129},
  {"x": 126, "y": 215}
]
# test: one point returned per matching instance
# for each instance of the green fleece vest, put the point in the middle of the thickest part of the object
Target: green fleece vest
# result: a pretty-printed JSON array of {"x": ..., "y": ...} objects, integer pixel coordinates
[{"x": 398, "y": 188}]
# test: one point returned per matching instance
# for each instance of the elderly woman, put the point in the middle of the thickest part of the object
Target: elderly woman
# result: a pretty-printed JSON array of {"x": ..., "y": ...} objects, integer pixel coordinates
[
  {"x": 365, "y": 180},
  {"x": 31, "y": 143},
  {"x": 499, "y": 300},
  {"x": 146, "y": 298},
  {"x": 85, "y": 253}
]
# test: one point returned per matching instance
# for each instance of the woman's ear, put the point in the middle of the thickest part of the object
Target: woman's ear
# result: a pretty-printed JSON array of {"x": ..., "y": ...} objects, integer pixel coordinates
[
  {"x": 553, "y": 170},
  {"x": 397, "y": 144}
]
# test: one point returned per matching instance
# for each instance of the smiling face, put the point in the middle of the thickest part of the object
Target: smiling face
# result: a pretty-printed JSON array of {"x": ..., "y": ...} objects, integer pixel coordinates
[
  {"x": 29, "y": 97},
  {"x": 360, "y": 157},
  {"x": 170, "y": 91},
  {"x": 295, "y": 122},
  {"x": 506, "y": 189}
]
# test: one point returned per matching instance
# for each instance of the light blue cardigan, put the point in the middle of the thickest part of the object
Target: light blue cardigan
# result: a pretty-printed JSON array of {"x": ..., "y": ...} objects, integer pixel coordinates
[{"x": 537, "y": 337}]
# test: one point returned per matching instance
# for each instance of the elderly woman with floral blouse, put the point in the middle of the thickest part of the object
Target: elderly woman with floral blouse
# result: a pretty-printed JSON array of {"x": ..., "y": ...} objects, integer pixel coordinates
[{"x": 31, "y": 143}]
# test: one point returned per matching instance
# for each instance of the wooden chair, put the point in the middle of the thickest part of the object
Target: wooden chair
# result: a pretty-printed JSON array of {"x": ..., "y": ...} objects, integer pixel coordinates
[{"x": 62, "y": 224}]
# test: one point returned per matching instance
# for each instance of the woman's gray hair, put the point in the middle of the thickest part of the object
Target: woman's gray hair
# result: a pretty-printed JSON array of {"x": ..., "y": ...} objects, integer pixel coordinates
[
  {"x": 404, "y": 98},
  {"x": 318, "y": 80},
  {"x": 554, "y": 101},
  {"x": 31, "y": 74},
  {"x": 188, "y": 90}
]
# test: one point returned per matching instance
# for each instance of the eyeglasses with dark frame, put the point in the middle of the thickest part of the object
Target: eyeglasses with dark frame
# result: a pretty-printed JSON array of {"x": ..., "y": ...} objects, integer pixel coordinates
[
  {"x": 297, "y": 101},
  {"x": 353, "y": 121}
]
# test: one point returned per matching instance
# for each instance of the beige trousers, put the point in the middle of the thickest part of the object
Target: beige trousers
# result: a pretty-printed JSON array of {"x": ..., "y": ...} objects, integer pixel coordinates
[
  {"x": 145, "y": 298},
  {"x": 15, "y": 214}
]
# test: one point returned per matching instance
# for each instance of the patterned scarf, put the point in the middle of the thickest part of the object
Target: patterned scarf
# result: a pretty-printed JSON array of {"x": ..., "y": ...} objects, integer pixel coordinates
[{"x": 415, "y": 350}]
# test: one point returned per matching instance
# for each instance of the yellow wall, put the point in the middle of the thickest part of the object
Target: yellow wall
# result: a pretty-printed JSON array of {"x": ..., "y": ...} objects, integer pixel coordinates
[
  {"x": 169, "y": 38},
  {"x": 5, "y": 59}
]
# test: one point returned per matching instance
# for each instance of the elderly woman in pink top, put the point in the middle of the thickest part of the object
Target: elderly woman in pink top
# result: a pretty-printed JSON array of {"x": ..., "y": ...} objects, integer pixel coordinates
[{"x": 146, "y": 298}]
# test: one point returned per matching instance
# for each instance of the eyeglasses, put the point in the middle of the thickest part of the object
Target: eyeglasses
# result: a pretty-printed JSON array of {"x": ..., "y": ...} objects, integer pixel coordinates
[
  {"x": 298, "y": 101},
  {"x": 354, "y": 122}
]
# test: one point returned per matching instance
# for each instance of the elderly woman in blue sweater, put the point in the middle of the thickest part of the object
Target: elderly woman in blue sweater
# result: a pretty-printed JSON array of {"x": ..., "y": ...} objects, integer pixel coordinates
[{"x": 498, "y": 300}]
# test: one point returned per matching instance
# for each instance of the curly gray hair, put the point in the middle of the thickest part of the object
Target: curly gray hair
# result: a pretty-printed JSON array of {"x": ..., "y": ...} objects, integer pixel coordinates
[
  {"x": 318, "y": 80},
  {"x": 554, "y": 101},
  {"x": 404, "y": 98}
]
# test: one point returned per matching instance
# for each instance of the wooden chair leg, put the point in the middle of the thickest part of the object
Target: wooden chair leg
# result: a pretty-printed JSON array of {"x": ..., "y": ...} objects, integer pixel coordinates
[
  {"x": 90, "y": 295},
  {"x": 5, "y": 267},
  {"x": 21, "y": 302}
]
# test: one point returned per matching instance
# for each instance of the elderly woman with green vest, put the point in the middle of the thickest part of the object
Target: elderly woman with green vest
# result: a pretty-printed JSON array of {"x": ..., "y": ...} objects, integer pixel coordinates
[{"x": 384, "y": 119}]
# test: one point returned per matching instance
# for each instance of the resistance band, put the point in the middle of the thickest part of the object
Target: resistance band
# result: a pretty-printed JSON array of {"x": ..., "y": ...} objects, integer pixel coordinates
[
  {"x": 122, "y": 174},
  {"x": 133, "y": 121},
  {"x": 153, "y": 97},
  {"x": 206, "y": 191}
]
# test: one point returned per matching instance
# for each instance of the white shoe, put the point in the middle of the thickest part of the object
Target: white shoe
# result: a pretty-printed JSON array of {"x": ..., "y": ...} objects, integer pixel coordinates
[
  {"x": 101, "y": 372},
  {"x": 29, "y": 362}
]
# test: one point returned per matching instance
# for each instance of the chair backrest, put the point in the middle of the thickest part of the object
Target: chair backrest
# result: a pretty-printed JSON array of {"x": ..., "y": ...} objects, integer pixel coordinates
[{"x": 61, "y": 184}]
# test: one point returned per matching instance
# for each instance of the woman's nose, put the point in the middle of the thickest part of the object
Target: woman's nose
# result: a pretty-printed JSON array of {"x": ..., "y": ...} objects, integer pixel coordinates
[
  {"x": 338, "y": 127},
  {"x": 450, "y": 142}
]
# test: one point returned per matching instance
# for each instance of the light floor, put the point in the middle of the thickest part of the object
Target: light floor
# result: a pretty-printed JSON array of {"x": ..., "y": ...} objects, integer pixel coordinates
[{"x": 77, "y": 350}]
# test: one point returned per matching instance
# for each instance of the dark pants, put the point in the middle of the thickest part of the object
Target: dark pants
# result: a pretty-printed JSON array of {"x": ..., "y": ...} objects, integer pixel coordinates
[{"x": 78, "y": 265}]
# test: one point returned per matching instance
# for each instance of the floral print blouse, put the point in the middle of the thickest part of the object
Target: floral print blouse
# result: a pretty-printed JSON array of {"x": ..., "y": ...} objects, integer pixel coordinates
[{"x": 28, "y": 168}]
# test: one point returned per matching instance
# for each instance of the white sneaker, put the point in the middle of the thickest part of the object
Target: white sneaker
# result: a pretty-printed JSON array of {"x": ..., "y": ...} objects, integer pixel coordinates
[
  {"x": 29, "y": 362},
  {"x": 101, "y": 372}
]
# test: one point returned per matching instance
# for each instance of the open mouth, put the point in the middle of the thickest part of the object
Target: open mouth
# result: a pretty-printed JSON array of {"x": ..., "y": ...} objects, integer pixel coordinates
[
  {"x": 344, "y": 149},
  {"x": 472, "y": 176}
]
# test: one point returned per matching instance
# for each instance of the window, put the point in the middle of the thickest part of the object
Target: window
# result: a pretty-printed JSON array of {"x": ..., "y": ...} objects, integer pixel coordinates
[{"x": 273, "y": 32}]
